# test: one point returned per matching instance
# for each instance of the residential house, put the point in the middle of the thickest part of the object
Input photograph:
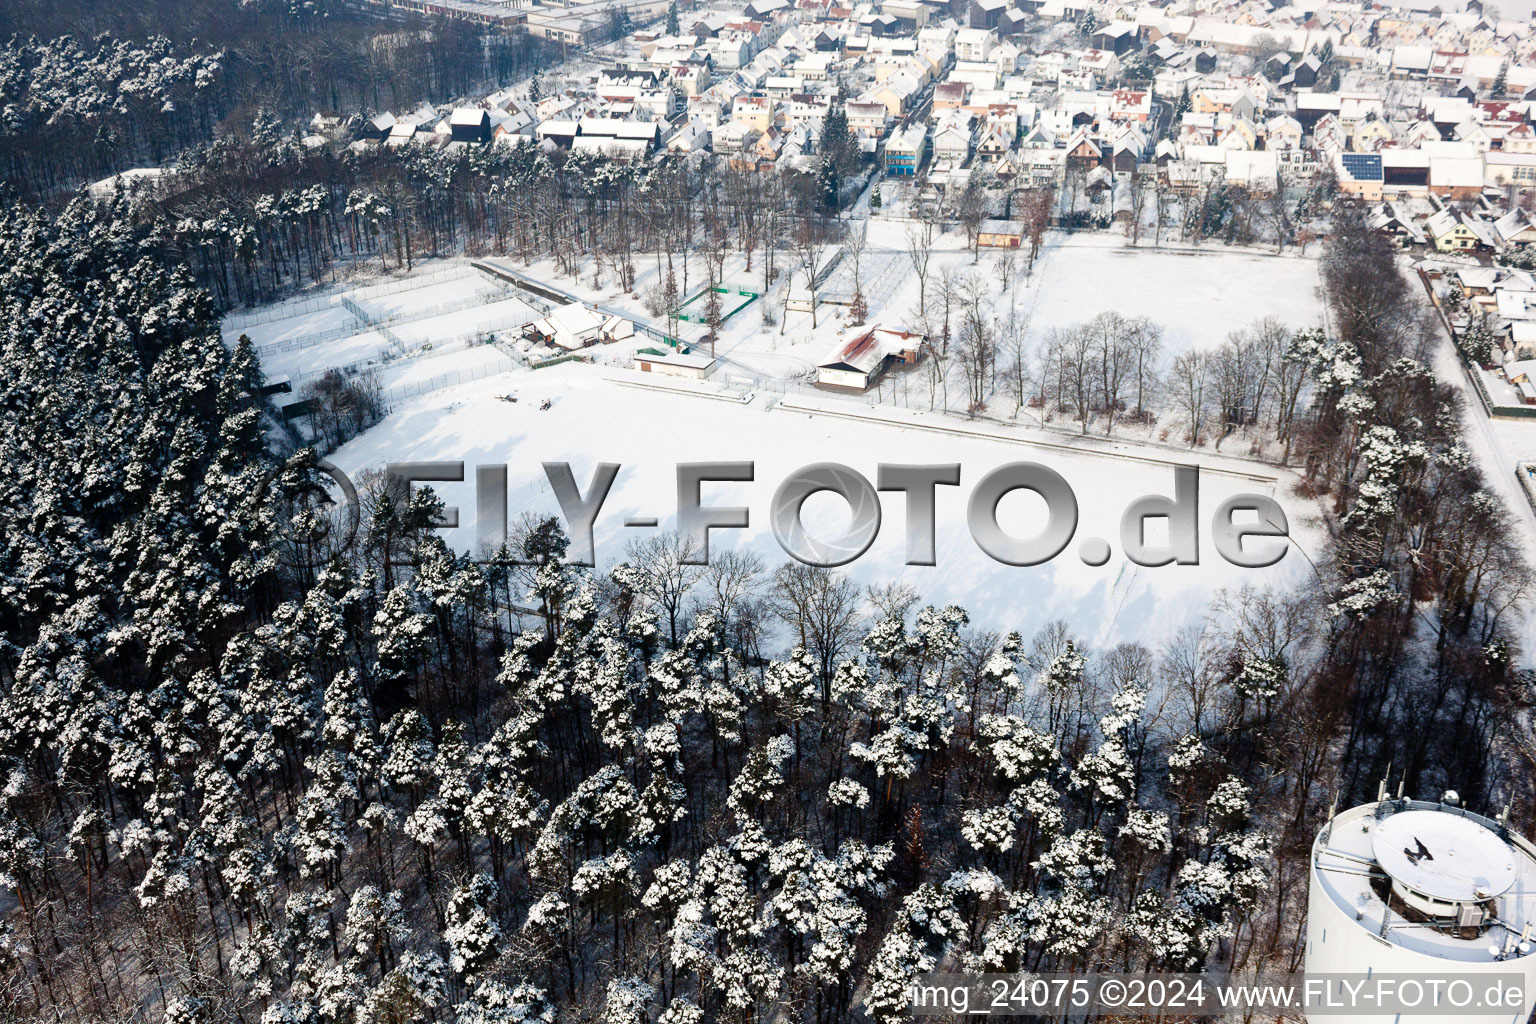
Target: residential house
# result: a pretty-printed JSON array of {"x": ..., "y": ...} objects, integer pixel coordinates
[
  {"x": 1257, "y": 171},
  {"x": 755, "y": 112},
  {"x": 377, "y": 127},
  {"x": 1398, "y": 224},
  {"x": 953, "y": 140},
  {"x": 866, "y": 119},
  {"x": 1130, "y": 105},
  {"x": 1450, "y": 232},
  {"x": 1517, "y": 227},
  {"x": 993, "y": 145},
  {"x": 896, "y": 93},
  {"x": 974, "y": 44},
  {"x": 1083, "y": 151},
  {"x": 470, "y": 124},
  {"x": 951, "y": 95},
  {"x": 1359, "y": 174},
  {"x": 1282, "y": 132},
  {"x": 692, "y": 137},
  {"x": 400, "y": 133},
  {"x": 575, "y": 326},
  {"x": 904, "y": 151}
]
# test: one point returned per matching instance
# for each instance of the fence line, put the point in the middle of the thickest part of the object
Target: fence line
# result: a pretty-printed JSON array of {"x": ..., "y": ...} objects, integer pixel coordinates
[
  {"x": 780, "y": 386},
  {"x": 569, "y": 357},
  {"x": 442, "y": 380},
  {"x": 301, "y": 307},
  {"x": 367, "y": 325},
  {"x": 352, "y": 369},
  {"x": 280, "y": 311},
  {"x": 485, "y": 335},
  {"x": 405, "y": 284}
]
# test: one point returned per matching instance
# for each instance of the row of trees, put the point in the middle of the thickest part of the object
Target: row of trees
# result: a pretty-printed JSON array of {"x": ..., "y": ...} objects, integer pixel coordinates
[{"x": 1427, "y": 580}]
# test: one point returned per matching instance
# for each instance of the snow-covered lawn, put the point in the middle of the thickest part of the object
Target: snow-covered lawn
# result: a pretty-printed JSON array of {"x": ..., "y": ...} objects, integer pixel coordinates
[
  {"x": 285, "y": 331},
  {"x": 1198, "y": 296},
  {"x": 453, "y": 291},
  {"x": 595, "y": 419},
  {"x": 467, "y": 363},
  {"x": 1517, "y": 438},
  {"x": 504, "y": 314},
  {"x": 305, "y": 362}
]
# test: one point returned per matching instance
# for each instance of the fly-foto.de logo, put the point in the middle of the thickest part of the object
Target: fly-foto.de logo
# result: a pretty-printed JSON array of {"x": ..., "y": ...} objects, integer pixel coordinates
[{"x": 1247, "y": 530}]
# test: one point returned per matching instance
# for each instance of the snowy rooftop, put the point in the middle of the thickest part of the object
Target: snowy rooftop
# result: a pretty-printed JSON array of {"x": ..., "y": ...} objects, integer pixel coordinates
[
  {"x": 1442, "y": 852},
  {"x": 1444, "y": 855}
]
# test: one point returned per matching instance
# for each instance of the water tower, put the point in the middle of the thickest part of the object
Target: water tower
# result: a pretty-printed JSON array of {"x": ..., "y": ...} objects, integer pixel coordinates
[{"x": 1411, "y": 887}]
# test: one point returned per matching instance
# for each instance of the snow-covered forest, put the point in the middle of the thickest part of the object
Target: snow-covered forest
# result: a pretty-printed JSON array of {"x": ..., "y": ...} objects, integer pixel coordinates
[
  {"x": 90, "y": 90},
  {"x": 255, "y": 767},
  {"x": 253, "y": 775}
]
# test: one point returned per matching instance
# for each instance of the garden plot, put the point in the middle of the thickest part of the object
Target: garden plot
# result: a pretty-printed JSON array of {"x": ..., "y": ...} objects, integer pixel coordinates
[
  {"x": 506, "y": 314},
  {"x": 291, "y": 331},
  {"x": 409, "y": 377},
  {"x": 455, "y": 293},
  {"x": 349, "y": 353}
]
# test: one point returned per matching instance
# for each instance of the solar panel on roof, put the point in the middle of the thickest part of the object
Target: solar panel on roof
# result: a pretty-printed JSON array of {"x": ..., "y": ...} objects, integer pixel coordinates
[{"x": 1362, "y": 166}]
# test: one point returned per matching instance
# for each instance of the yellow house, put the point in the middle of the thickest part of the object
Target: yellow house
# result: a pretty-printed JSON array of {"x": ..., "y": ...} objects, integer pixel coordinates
[
  {"x": 897, "y": 91},
  {"x": 1450, "y": 233},
  {"x": 1368, "y": 134},
  {"x": 756, "y": 112}
]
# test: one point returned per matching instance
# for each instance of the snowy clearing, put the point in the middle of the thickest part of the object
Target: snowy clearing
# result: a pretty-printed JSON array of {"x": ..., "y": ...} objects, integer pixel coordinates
[
  {"x": 472, "y": 362},
  {"x": 594, "y": 419}
]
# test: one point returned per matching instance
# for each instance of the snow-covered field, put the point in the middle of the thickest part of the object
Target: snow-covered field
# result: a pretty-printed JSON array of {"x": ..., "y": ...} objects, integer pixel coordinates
[
  {"x": 429, "y": 329},
  {"x": 445, "y": 407},
  {"x": 350, "y": 350},
  {"x": 595, "y": 418},
  {"x": 1198, "y": 296},
  {"x": 475, "y": 361},
  {"x": 504, "y": 313},
  {"x": 467, "y": 288}
]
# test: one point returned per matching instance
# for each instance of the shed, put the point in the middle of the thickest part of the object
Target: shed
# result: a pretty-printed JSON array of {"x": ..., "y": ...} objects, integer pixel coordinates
[
  {"x": 673, "y": 363},
  {"x": 1000, "y": 234}
]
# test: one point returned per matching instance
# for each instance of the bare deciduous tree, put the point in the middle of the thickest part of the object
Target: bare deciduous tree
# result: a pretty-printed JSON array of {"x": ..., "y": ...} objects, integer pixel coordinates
[
  {"x": 1188, "y": 378},
  {"x": 665, "y": 573}
]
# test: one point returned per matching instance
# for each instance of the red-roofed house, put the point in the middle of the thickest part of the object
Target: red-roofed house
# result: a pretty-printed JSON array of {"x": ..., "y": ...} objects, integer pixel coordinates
[{"x": 856, "y": 365}]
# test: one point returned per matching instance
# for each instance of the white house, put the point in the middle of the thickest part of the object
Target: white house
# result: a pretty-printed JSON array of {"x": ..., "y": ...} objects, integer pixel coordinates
[
  {"x": 857, "y": 364},
  {"x": 576, "y": 326},
  {"x": 974, "y": 44}
]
